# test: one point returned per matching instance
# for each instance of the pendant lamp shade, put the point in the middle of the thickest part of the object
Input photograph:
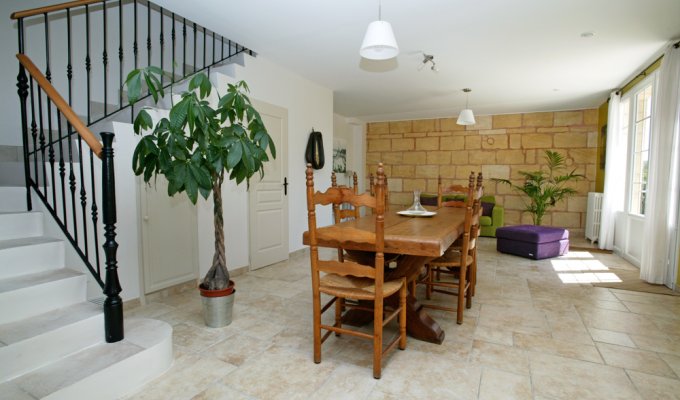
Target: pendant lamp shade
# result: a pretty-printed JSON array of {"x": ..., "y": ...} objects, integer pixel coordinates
[
  {"x": 466, "y": 117},
  {"x": 379, "y": 42}
]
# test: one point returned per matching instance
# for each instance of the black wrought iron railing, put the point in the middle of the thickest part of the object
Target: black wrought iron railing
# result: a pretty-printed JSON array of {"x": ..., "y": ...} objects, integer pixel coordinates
[
  {"x": 64, "y": 163},
  {"x": 86, "y": 48},
  {"x": 61, "y": 156}
]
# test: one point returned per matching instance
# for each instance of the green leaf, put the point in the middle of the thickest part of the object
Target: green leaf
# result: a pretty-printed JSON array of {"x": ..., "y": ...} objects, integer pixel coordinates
[
  {"x": 234, "y": 155},
  {"x": 200, "y": 81},
  {"x": 142, "y": 122},
  {"x": 180, "y": 172},
  {"x": 134, "y": 85},
  {"x": 191, "y": 188},
  {"x": 201, "y": 176},
  {"x": 178, "y": 113},
  {"x": 247, "y": 157},
  {"x": 204, "y": 192}
]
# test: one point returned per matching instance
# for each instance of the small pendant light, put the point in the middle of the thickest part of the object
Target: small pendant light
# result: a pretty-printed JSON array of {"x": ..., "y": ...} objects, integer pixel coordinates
[{"x": 466, "y": 116}]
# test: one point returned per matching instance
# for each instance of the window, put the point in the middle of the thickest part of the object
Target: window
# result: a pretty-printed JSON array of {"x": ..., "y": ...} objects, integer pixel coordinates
[{"x": 636, "y": 120}]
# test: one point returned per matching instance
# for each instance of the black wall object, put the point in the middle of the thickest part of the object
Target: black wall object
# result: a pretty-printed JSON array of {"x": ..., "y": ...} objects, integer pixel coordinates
[{"x": 314, "y": 153}]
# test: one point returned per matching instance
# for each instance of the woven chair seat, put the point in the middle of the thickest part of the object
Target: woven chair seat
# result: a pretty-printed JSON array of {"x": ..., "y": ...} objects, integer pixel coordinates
[{"x": 355, "y": 288}]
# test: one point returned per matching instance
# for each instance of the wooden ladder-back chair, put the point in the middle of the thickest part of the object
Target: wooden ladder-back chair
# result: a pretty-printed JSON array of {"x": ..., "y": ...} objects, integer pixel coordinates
[
  {"x": 371, "y": 182},
  {"x": 456, "y": 261},
  {"x": 344, "y": 212},
  {"x": 345, "y": 280},
  {"x": 474, "y": 234}
]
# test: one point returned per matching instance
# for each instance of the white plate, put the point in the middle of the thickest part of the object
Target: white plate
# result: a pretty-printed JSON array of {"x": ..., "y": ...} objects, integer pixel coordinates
[{"x": 417, "y": 214}]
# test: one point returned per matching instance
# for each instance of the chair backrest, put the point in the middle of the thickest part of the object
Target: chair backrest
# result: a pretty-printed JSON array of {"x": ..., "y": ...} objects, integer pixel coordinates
[
  {"x": 371, "y": 181},
  {"x": 342, "y": 235},
  {"x": 343, "y": 212},
  {"x": 460, "y": 193},
  {"x": 477, "y": 195}
]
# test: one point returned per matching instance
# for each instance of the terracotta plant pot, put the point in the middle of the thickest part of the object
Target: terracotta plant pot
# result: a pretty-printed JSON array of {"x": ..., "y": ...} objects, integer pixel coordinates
[{"x": 218, "y": 305}]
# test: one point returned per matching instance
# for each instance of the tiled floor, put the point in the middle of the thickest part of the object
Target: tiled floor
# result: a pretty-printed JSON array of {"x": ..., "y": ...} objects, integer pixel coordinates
[{"x": 528, "y": 335}]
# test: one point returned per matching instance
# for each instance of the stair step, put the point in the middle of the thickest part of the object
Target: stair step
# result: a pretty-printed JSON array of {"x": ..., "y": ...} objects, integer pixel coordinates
[
  {"x": 56, "y": 334},
  {"x": 103, "y": 371},
  {"x": 18, "y": 224},
  {"x": 30, "y": 255},
  {"x": 29, "y": 295}
]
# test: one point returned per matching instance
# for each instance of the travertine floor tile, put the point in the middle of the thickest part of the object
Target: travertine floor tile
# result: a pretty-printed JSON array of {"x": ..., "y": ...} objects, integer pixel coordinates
[
  {"x": 346, "y": 382},
  {"x": 237, "y": 348},
  {"x": 501, "y": 385},
  {"x": 559, "y": 347},
  {"x": 655, "y": 387},
  {"x": 415, "y": 375},
  {"x": 673, "y": 361},
  {"x": 280, "y": 373},
  {"x": 670, "y": 345},
  {"x": 634, "y": 359},
  {"x": 565, "y": 378},
  {"x": 611, "y": 337},
  {"x": 220, "y": 391},
  {"x": 511, "y": 359}
]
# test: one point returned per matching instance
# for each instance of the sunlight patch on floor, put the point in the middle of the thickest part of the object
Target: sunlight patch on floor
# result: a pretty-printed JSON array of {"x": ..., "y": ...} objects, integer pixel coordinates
[
  {"x": 580, "y": 267},
  {"x": 589, "y": 277}
]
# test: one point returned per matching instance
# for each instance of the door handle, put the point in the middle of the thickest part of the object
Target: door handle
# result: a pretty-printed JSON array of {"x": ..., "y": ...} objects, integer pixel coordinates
[{"x": 285, "y": 186}]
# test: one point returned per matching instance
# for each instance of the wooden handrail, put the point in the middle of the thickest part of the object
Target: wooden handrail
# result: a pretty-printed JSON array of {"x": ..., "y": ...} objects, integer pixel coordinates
[
  {"x": 62, "y": 105},
  {"x": 55, "y": 7}
]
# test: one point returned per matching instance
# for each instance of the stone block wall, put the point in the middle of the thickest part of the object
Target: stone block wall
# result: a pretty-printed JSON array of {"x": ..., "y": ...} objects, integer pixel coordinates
[{"x": 415, "y": 152}]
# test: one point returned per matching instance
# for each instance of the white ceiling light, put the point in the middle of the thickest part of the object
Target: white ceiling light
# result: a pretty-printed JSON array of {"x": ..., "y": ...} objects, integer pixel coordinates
[
  {"x": 379, "y": 42},
  {"x": 466, "y": 117}
]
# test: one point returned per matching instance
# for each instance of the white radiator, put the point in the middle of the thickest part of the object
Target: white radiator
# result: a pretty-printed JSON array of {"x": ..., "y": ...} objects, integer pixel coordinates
[{"x": 593, "y": 216}]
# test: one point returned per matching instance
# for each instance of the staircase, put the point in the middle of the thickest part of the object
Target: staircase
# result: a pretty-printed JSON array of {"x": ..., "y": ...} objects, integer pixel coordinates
[
  {"x": 51, "y": 338},
  {"x": 52, "y": 341},
  {"x": 55, "y": 341}
]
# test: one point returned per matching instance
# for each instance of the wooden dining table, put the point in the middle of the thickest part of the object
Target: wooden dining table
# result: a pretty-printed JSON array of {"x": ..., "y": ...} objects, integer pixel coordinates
[{"x": 414, "y": 241}]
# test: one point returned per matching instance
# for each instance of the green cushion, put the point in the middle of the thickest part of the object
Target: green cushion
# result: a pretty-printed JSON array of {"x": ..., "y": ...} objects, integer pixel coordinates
[{"x": 485, "y": 221}]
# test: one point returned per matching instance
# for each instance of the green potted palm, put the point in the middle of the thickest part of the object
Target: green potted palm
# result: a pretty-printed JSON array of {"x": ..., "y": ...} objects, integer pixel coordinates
[
  {"x": 545, "y": 187},
  {"x": 195, "y": 148}
]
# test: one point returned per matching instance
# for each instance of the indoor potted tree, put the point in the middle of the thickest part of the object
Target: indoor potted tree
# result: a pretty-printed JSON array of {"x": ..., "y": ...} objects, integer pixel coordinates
[
  {"x": 545, "y": 188},
  {"x": 193, "y": 148}
]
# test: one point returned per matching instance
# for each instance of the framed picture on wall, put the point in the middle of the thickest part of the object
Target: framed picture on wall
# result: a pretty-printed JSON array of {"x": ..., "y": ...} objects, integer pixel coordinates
[{"x": 339, "y": 156}]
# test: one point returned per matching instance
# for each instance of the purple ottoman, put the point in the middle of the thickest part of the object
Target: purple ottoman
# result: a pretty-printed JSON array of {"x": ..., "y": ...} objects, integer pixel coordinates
[{"x": 531, "y": 241}]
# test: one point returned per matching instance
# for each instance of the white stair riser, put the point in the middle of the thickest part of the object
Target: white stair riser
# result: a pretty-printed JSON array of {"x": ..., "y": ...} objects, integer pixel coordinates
[
  {"x": 30, "y": 301},
  {"x": 134, "y": 372},
  {"x": 13, "y": 198},
  {"x": 19, "y": 358},
  {"x": 19, "y": 225},
  {"x": 22, "y": 260}
]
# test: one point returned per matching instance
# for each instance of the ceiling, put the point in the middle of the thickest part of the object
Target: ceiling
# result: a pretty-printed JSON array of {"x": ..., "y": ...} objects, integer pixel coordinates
[{"x": 516, "y": 56}]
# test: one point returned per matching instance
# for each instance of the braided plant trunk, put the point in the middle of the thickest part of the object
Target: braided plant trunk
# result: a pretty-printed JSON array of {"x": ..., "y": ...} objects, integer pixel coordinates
[{"x": 217, "y": 277}]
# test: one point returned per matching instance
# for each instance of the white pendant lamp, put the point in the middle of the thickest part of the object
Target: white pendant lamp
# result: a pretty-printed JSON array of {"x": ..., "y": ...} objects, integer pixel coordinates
[
  {"x": 379, "y": 42},
  {"x": 466, "y": 117}
]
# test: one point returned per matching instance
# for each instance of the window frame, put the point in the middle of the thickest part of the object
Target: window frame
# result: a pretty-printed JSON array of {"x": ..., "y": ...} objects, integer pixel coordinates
[{"x": 650, "y": 80}]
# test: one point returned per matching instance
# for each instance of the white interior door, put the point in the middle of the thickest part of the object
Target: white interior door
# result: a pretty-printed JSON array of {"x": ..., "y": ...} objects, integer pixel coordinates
[
  {"x": 169, "y": 237},
  {"x": 268, "y": 197}
]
